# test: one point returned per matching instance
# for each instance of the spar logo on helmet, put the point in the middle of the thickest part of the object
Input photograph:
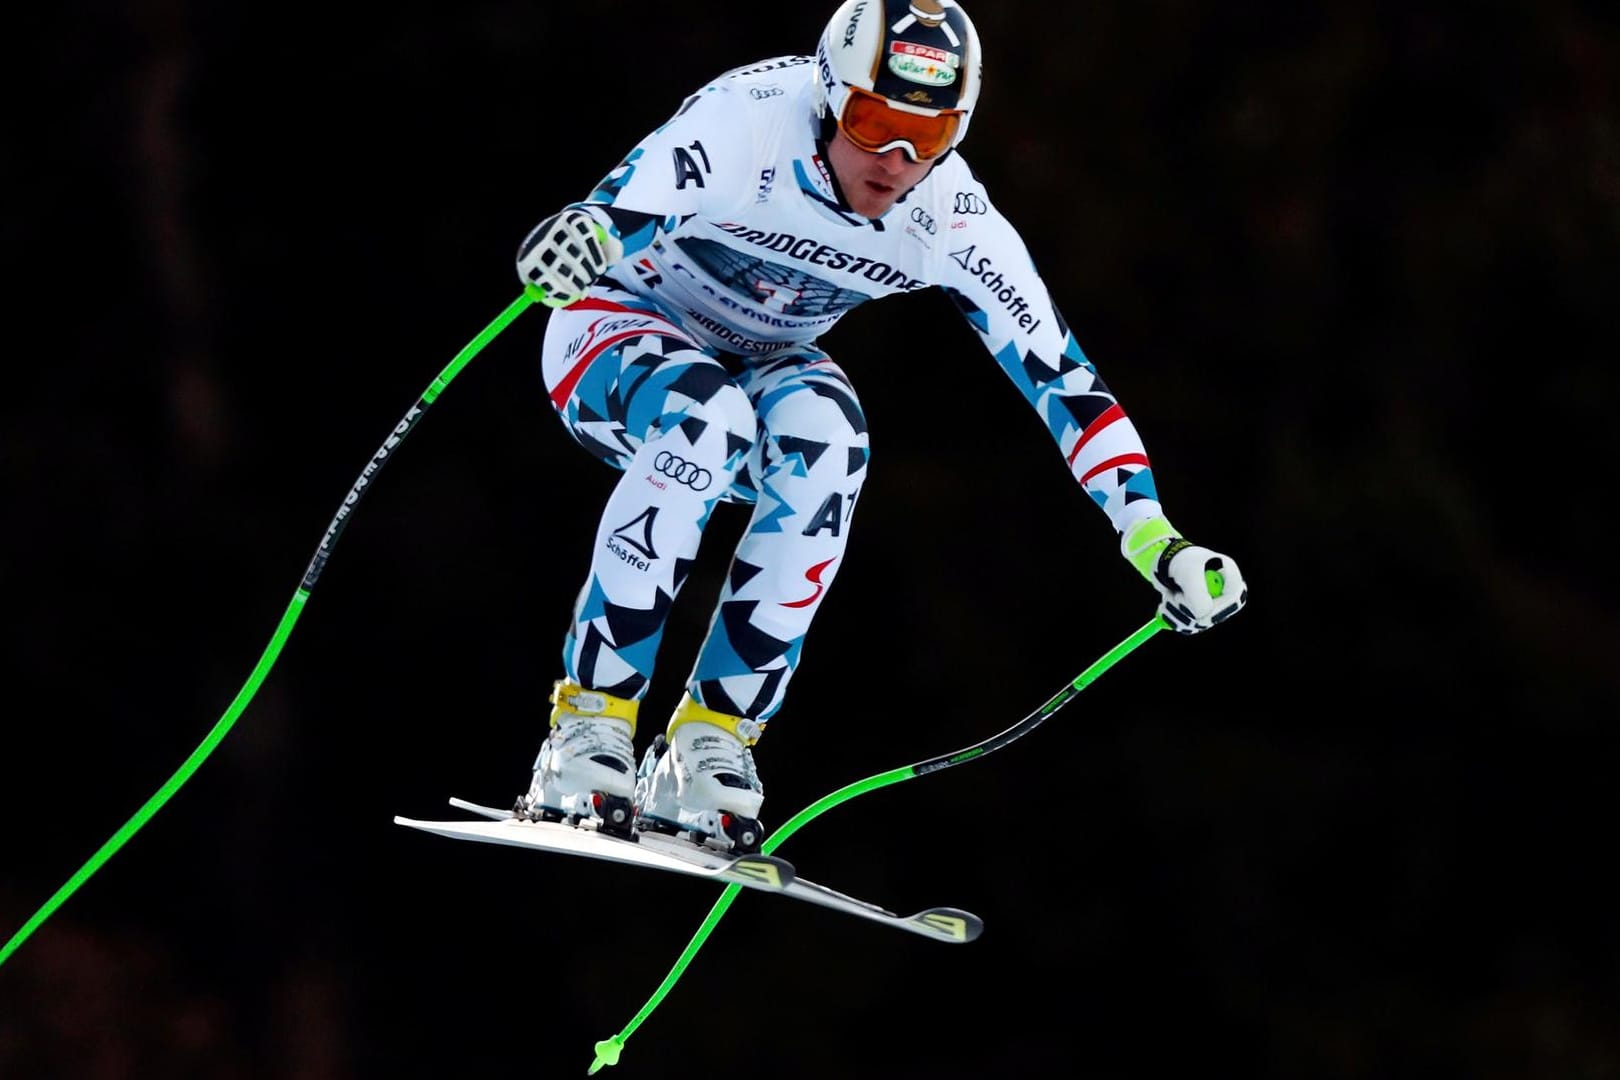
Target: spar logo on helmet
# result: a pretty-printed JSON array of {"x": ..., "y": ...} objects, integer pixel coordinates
[{"x": 923, "y": 63}]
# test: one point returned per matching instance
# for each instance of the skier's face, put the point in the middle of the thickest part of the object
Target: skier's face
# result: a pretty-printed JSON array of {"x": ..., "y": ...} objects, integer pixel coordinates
[{"x": 872, "y": 183}]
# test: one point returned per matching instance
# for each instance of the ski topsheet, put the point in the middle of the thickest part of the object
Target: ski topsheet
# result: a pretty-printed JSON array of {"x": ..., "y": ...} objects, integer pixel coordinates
[
  {"x": 652, "y": 850},
  {"x": 657, "y": 852}
]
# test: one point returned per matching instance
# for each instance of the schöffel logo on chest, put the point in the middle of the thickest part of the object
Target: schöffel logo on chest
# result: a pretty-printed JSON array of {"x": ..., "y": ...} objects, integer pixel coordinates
[{"x": 809, "y": 249}]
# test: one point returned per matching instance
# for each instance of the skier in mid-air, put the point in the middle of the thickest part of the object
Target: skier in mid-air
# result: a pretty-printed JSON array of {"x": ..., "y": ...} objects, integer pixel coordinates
[{"x": 691, "y": 289}]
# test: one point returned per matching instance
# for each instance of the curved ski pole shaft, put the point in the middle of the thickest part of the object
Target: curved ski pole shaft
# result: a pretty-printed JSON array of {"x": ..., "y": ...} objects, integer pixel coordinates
[
  {"x": 608, "y": 1050},
  {"x": 279, "y": 638}
]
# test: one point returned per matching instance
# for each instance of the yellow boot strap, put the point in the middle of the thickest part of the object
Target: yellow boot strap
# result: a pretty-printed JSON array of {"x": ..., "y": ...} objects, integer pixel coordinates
[
  {"x": 688, "y": 711},
  {"x": 574, "y": 698}
]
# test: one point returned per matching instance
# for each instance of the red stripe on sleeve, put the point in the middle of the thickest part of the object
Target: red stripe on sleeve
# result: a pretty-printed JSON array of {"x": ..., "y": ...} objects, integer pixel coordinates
[
  {"x": 1109, "y": 416},
  {"x": 1114, "y": 463}
]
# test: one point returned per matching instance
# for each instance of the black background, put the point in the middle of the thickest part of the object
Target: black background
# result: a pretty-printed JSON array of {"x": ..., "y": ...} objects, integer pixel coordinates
[{"x": 1351, "y": 267}]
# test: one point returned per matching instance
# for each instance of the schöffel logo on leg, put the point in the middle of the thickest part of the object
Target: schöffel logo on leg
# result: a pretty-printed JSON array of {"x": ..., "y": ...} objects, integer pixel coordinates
[{"x": 636, "y": 534}]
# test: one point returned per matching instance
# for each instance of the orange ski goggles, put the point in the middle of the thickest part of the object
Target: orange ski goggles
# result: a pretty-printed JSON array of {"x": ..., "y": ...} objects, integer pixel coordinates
[{"x": 875, "y": 125}]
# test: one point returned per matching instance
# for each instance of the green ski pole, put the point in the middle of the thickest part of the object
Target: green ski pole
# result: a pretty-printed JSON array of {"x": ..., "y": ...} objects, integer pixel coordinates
[
  {"x": 608, "y": 1050},
  {"x": 267, "y": 659}
]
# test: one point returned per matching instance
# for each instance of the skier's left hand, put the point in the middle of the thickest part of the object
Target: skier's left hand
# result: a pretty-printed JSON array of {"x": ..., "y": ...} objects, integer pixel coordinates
[{"x": 1197, "y": 587}]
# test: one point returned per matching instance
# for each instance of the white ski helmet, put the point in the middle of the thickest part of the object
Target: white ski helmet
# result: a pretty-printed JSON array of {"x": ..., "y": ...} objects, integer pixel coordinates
[{"x": 899, "y": 73}]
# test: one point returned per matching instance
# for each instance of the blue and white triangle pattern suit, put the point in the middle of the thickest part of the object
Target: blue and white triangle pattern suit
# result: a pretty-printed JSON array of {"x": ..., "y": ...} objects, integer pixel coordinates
[{"x": 694, "y": 367}]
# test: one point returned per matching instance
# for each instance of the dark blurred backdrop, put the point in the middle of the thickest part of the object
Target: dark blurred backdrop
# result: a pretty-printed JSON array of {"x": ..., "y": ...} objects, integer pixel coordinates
[{"x": 1351, "y": 266}]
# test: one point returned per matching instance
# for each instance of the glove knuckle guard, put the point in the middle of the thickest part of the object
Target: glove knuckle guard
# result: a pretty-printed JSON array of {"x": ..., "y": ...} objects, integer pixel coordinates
[
  {"x": 562, "y": 256},
  {"x": 1197, "y": 587}
]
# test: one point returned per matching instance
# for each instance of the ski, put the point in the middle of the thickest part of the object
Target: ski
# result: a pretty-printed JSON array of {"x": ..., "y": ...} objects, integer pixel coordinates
[
  {"x": 649, "y": 850},
  {"x": 656, "y": 851}
]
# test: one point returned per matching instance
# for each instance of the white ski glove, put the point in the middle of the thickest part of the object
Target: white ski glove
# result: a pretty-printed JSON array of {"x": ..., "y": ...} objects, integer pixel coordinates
[
  {"x": 1198, "y": 587},
  {"x": 564, "y": 254}
]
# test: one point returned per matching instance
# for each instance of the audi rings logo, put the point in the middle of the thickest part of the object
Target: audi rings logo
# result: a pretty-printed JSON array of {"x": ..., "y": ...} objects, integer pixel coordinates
[
  {"x": 679, "y": 469},
  {"x": 969, "y": 203},
  {"x": 923, "y": 218}
]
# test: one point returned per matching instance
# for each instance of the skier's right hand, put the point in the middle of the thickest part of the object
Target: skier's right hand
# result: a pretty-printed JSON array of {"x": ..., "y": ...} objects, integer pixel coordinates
[{"x": 563, "y": 255}]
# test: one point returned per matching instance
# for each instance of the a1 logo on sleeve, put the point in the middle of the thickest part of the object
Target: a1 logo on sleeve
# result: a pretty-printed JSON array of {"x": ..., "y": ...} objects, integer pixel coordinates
[{"x": 686, "y": 166}]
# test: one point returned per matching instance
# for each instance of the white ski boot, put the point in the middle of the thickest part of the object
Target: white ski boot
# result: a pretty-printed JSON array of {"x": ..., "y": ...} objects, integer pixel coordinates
[
  {"x": 699, "y": 779},
  {"x": 586, "y": 766}
]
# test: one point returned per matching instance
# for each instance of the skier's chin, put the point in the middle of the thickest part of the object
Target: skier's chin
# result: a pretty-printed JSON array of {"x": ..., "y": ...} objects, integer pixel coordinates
[{"x": 872, "y": 199}]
